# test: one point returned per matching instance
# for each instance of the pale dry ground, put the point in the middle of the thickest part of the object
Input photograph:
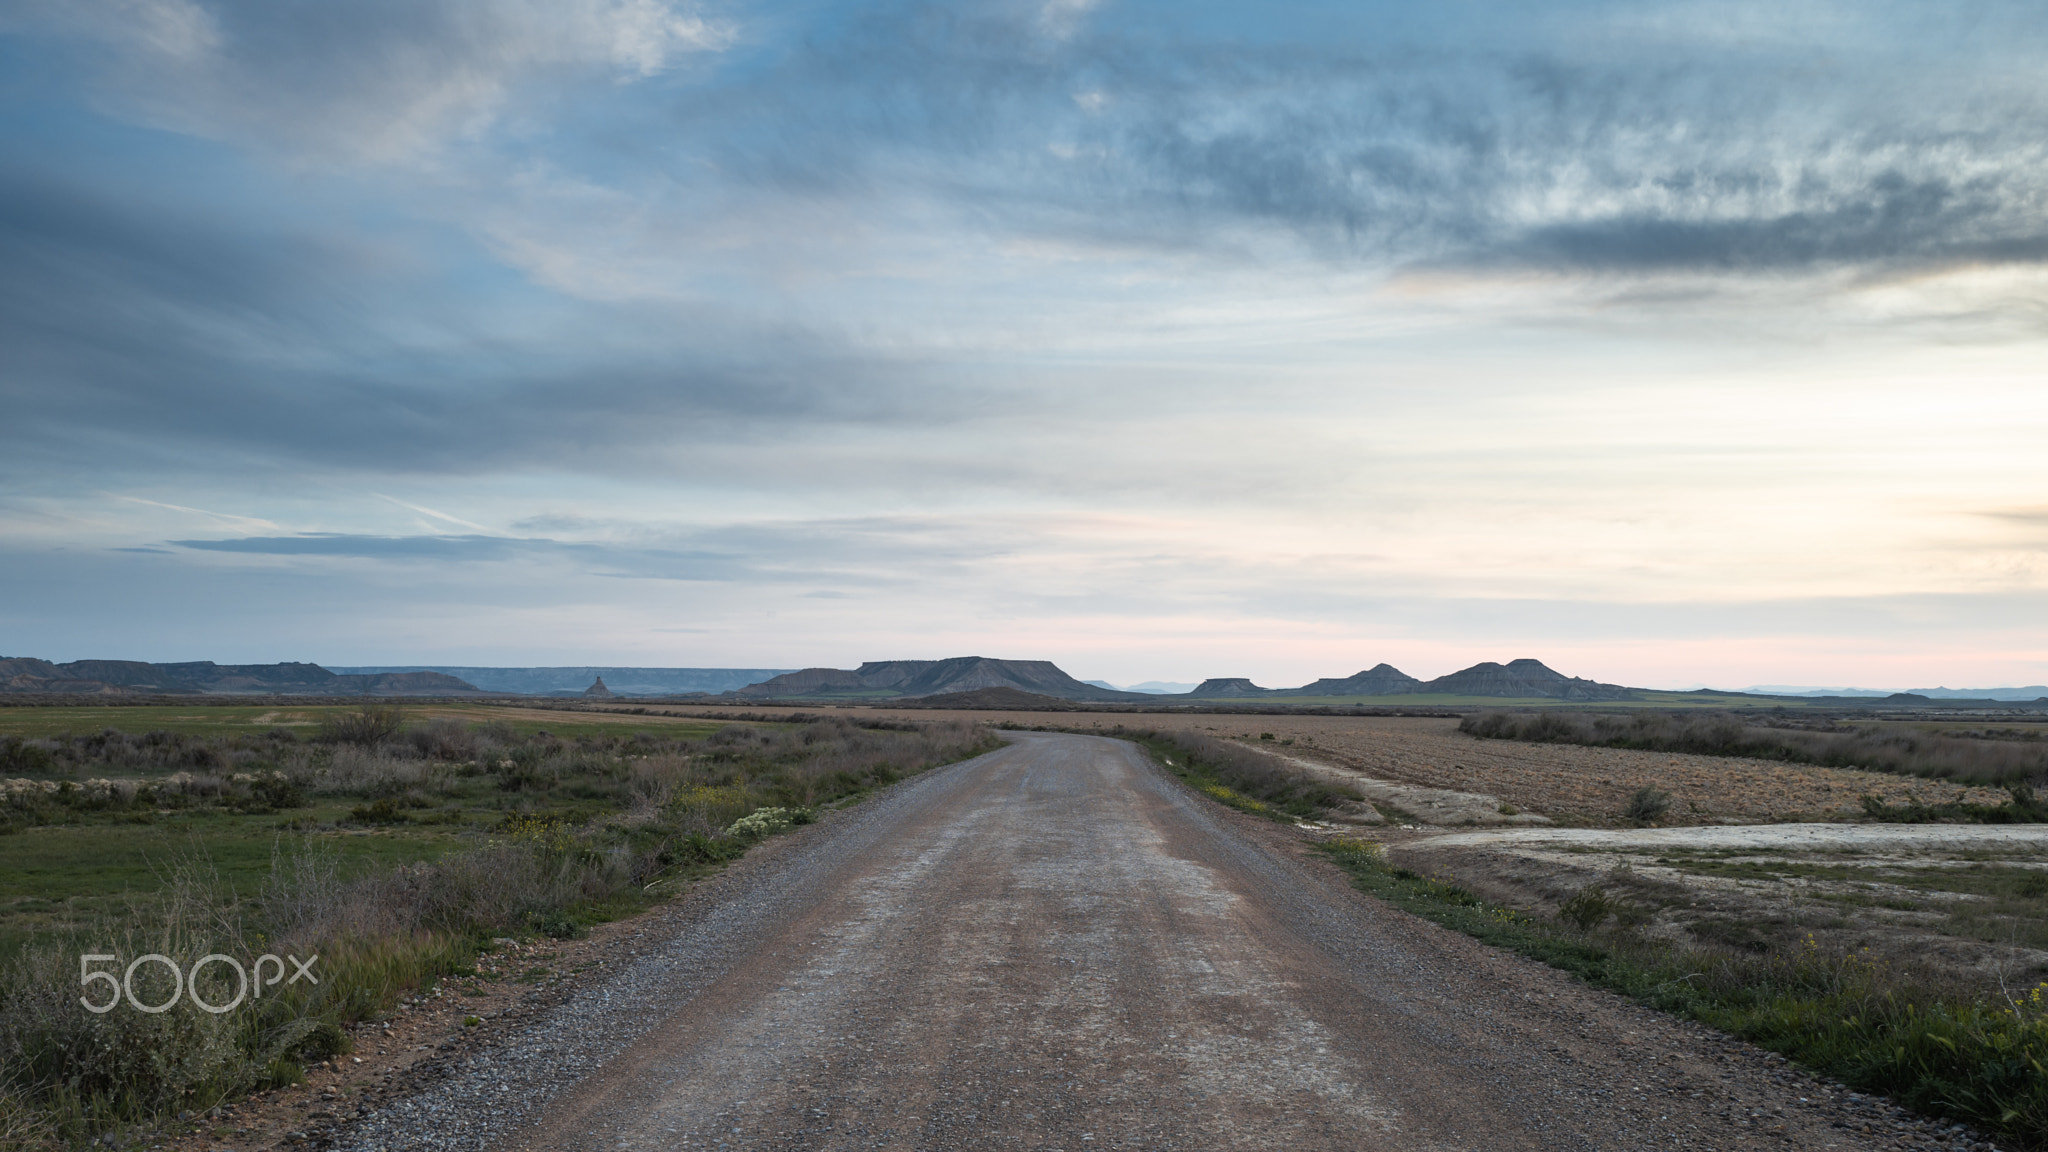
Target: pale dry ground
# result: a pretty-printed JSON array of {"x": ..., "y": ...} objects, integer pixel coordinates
[{"x": 1877, "y": 889}]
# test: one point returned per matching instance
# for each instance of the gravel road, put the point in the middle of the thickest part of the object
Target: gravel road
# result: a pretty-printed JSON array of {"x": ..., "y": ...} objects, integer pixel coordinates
[{"x": 1055, "y": 946}]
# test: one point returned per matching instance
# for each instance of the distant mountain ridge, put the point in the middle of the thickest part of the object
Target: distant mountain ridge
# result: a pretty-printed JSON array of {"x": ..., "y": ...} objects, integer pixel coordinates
[
  {"x": 1518, "y": 679},
  {"x": 205, "y": 678},
  {"x": 1378, "y": 680},
  {"x": 910, "y": 679},
  {"x": 877, "y": 680},
  {"x": 2029, "y": 693},
  {"x": 572, "y": 680},
  {"x": 914, "y": 679}
]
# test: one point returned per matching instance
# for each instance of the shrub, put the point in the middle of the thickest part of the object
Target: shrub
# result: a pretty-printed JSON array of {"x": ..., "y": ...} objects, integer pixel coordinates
[
  {"x": 1648, "y": 805},
  {"x": 25, "y": 756},
  {"x": 1588, "y": 908},
  {"x": 444, "y": 738},
  {"x": 368, "y": 726},
  {"x": 277, "y": 791},
  {"x": 555, "y": 924},
  {"x": 383, "y": 811},
  {"x": 767, "y": 821}
]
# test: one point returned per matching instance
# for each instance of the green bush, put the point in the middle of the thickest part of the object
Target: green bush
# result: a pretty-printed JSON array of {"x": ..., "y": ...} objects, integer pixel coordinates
[
  {"x": 555, "y": 924},
  {"x": 24, "y": 757}
]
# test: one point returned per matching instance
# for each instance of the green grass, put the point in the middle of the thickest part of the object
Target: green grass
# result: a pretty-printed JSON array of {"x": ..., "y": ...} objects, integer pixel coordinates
[
  {"x": 56, "y": 878},
  {"x": 1981, "y": 1060}
]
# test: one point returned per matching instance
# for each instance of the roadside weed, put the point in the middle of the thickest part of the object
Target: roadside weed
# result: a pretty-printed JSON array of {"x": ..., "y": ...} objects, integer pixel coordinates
[{"x": 1841, "y": 1014}]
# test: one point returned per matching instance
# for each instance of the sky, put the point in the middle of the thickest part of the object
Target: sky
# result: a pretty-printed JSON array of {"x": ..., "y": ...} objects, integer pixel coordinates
[{"x": 1671, "y": 343}]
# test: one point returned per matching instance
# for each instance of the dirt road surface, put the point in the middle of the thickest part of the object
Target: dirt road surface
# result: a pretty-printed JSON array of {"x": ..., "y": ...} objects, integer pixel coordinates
[{"x": 1056, "y": 946}]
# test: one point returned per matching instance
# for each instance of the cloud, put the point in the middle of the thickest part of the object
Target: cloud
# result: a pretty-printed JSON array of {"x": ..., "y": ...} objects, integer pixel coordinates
[
  {"x": 384, "y": 80},
  {"x": 592, "y": 559},
  {"x": 1887, "y": 222},
  {"x": 2024, "y": 515},
  {"x": 145, "y": 336},
  {"x": 860, "y": 551},
  {"x": 863, "y": 553},
  {"x": 460, "y": 548},
  {"x": 1412, "y": 146}
]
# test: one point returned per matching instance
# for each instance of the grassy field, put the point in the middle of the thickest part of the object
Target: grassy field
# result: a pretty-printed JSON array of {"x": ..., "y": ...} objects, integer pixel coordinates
[
  {"x": 74, "y": 864},
  {"x": 396, "y": 846},
  {"x": 83, "y": 863},
  {"x": 57, "y": 879},
  {"x": 200, "y": 719}
]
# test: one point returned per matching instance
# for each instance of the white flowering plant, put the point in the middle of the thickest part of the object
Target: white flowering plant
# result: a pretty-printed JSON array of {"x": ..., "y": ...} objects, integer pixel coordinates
[{"x": 768, "y": 821}]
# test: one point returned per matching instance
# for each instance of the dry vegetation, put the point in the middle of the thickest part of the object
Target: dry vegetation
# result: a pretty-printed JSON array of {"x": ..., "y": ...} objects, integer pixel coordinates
[
  {"x": 1982, "y": 754},
  {"x": 552, "y": 834},
  {"x": 1592, "y": 786}
]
